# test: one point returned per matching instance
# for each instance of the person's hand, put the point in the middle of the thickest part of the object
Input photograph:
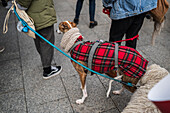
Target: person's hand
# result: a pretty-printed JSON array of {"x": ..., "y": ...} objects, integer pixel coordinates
[
  {"x": 107, "y": 11},
  {"x": 9, "y": 4}
]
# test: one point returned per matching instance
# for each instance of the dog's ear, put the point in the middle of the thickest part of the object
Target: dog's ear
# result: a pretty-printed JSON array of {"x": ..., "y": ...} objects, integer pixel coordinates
[{"x": 73, "y": 24}]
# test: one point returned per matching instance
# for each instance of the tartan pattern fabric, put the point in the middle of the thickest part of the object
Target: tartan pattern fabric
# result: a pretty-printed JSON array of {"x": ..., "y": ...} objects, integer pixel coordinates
[{"x": 130, "y": 62}]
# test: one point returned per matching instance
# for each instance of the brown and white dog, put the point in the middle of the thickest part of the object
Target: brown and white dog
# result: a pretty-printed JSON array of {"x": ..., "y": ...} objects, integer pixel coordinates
[{"x": 71, "y": 34}]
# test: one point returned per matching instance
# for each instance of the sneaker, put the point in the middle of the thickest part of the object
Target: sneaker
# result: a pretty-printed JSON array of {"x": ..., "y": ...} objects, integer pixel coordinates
[
  {"x": 54, "y": 71},
  {"x": 2, "y": 49},
  {"x": 76, "y": 21},
  {"x": 92, "y": 25}
]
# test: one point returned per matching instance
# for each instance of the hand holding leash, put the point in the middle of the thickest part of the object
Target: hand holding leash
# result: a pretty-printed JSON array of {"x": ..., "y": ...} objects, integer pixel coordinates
[{"x": 106, "y": 11}]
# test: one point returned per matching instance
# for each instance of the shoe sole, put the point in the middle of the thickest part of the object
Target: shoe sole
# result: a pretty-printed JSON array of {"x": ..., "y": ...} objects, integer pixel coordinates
[
  {"x": 2, "y": 50},
  {"x": 53, "y": 75}
]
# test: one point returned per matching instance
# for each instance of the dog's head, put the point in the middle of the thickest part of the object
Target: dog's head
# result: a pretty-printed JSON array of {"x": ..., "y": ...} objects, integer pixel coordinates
[{"x": 66, "y": 25}]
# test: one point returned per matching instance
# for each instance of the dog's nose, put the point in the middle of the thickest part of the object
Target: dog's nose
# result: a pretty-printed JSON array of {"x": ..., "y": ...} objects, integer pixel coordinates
[{"x": 58, "y": 31}]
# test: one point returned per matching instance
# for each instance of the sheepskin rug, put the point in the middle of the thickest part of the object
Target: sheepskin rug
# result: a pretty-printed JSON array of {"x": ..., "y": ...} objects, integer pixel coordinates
[{"x": 139, "y": 102}]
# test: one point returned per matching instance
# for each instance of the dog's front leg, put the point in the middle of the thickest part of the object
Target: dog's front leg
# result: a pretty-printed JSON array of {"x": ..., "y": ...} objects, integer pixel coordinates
[
  {"x": 83, "y": 86},
  {"x": 82, "y": 74},
  {"x": 80, "y": 101}
]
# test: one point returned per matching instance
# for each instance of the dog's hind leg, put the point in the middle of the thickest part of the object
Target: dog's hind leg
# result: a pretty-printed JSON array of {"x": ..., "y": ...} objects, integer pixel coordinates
[
  {"x": 110, "y": 86},
  {"x": 157, "y": 29},
  {"x": 82, "y": 75}
]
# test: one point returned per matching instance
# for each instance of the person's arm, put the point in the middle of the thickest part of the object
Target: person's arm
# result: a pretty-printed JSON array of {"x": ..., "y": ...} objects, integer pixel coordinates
[
  {"x": 107, "y": 3},
  {"x": 24, "y": 3}
]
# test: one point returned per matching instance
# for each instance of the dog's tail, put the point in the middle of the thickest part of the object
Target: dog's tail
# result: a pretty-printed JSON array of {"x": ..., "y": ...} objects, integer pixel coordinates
[{"x": 157, "y": 30}]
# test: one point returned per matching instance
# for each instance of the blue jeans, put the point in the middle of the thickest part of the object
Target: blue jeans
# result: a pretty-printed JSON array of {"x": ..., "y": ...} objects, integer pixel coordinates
[{"x": 91, "y": 9}]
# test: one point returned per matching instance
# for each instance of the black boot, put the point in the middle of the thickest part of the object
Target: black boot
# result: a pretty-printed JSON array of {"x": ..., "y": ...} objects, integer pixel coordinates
[
  {"x": 93, "y": 24},
  {"x": 76, "y": 21}
]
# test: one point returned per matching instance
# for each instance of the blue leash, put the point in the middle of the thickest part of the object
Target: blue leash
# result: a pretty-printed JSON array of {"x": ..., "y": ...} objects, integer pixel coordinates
[{"x": 26, "y": 25}]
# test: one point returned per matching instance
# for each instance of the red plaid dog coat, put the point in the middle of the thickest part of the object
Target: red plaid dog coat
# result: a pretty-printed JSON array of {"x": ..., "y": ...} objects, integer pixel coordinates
[{"x": 130, "y": 62}]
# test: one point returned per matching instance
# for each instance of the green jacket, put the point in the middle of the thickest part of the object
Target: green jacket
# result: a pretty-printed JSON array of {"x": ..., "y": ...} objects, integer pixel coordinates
[{"x": 41, "y": 11}]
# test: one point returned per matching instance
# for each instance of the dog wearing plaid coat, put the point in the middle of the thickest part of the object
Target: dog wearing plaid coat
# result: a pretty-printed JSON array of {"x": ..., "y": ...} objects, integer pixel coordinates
[{"x": 130, "y": 62}]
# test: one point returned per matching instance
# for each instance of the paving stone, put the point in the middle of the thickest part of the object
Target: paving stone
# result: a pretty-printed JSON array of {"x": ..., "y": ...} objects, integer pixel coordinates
[
  {"x": 95, "y": 91},
  {"x": 10, "y": 76},
  {"x": 87, "y": 33},
  {"x": 13, "y": 102},
  {"x": 65, "y": 18},
  {"x": 145, "y": 56},
  {"x": 102, "y": 32},
  {"x": 29, "y": 55},
  {"x": 20, "y": 67},
  {"x": 159, "y": 54},
  {"x": 144, "y": 39},
  {"x": 9, "y": 40},
  {"x": 111, "y": 111},
  {"x": 62, "y": 6},
  {"x": 40, "y": 91},
  {"x": 119, "y": 100},
  {"x": 55, "y": 106},
  {"x": 164, "y": 39},
  {"x": 102, "y": 19}
]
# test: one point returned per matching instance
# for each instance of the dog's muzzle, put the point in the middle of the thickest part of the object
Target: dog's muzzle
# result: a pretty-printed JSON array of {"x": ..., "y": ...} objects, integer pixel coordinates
[{"x": 58, "y": 31}]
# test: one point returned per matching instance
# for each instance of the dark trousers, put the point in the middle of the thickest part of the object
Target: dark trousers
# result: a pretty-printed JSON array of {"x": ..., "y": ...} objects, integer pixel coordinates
[
  {"x": 91, "y": 8},
  {"x": 129, "y": 26},
  {"x": 45, "y": 50}
]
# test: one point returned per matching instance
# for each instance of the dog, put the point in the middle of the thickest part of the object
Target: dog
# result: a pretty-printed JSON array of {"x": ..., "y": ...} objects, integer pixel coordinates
[
  {"x": 158, "y": 26},
  {"x": 139, "y": 102},
  {"x": 102, "y": 60}
]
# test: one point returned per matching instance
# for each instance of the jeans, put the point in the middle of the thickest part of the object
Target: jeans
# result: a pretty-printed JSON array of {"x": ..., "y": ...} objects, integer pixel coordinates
[
  {"x": 128, "y": 26},
  {"x": 91, "y": 9}
]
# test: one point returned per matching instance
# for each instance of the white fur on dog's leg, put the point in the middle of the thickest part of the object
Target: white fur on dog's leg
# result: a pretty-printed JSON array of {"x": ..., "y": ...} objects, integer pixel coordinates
[
  {"x": 80, "y": 101},
  {"x": 118, "y": 92},
  {"x": 118, "y": 77},
  {"x": 110, "y": 85}
]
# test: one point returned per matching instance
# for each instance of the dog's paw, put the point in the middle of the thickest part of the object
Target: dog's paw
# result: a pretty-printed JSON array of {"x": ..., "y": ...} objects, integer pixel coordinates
[
  {"x": 116, "y": 92},
  {"x": 107, "y": 94},
  {"x": 79, "y": 101}
]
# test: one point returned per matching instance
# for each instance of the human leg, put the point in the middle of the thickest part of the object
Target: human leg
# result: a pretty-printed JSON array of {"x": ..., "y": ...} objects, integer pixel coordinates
[
  {"x": 44, "y": 49},
  {"x": 118, "y": 29},
  {"x": 79, "y": 6},
  {"x": 46, "y": 52},
  {"x": 92, "y": 7},
  {"x": 134, "y": 29}
]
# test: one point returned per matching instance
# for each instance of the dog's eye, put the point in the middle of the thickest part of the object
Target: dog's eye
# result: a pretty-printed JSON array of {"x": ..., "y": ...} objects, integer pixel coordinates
[{"x": 66, "y": 27}]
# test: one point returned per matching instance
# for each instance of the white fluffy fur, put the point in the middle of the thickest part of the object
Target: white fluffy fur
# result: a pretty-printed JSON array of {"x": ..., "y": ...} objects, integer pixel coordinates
[{"x": 139, "y": 102}]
